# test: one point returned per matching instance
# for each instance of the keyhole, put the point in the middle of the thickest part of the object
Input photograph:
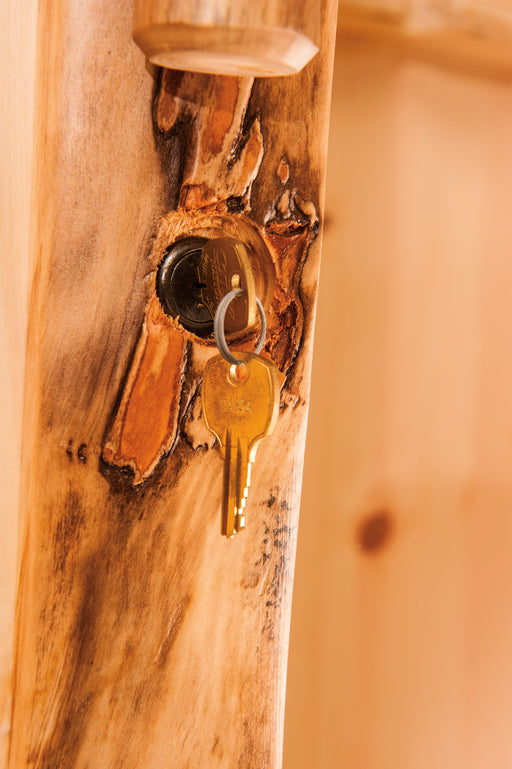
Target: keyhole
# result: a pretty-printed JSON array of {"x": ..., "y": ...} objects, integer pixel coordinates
[{"x": 179, "y": 288}]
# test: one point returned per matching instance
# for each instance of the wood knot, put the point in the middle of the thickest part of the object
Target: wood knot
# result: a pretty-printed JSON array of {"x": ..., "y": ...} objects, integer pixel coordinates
[{"x": 374, "y": 531}]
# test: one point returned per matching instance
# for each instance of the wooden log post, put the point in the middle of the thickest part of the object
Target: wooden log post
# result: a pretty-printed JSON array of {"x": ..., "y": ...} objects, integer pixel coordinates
[{"x": 144, "y": 638}]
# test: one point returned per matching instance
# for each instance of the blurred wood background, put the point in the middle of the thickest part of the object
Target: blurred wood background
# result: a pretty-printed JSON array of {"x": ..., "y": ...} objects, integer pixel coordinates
[{"x": 401, "y": 622}]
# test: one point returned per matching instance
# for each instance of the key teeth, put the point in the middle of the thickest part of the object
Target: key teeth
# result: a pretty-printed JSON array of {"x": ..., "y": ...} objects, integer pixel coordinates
[
  {"x": 240, "y": 516},
  {"x": 239, "y": 522}
]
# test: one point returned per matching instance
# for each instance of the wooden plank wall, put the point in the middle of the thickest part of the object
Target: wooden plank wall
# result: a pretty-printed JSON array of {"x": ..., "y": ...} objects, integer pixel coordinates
[
  {"x": 402, "y": 616},
  {"x": 17, "y": 78}
]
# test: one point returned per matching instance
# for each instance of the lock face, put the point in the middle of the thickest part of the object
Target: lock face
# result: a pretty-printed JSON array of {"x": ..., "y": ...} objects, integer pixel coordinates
[
  {"x": 195, "y": 275},
  {"x": 178, "y": 286}
]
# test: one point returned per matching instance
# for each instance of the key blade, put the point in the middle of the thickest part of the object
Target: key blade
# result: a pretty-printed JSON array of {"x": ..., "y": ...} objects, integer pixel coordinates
[
  {"x": 225, "y": 265},
  {"x": 229, "y": 493}
]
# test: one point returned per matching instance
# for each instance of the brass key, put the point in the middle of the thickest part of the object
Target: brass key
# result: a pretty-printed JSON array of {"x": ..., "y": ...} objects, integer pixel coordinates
[
  {"x": 224, "y": 266},
  {"x": 240, "y": 405}
]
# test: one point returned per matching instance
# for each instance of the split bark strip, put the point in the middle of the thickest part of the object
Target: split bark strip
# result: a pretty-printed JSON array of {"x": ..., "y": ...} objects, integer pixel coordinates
[{"x": 143, "y": 637}]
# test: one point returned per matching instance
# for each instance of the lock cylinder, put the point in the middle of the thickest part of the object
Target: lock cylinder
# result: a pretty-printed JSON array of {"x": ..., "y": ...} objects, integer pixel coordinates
[
  {"x": 178, "y": 286},
  {"x": 196, "y": 273}
]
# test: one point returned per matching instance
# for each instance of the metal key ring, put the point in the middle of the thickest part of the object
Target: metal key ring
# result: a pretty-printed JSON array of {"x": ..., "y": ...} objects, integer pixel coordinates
[{"x": 218, "y": 326}]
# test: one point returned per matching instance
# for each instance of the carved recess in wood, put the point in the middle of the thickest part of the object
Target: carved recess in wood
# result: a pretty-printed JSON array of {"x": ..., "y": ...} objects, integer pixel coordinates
[{"x": 222, "y": 160}]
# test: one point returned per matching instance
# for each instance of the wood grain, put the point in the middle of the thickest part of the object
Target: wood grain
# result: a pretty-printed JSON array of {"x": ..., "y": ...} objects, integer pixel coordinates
[
  {"x": 140, "y": 629},
  {"x": 17, "y": 82},
  {"x": 401, "y": 624},
  {"x": 230, "y": 37}
]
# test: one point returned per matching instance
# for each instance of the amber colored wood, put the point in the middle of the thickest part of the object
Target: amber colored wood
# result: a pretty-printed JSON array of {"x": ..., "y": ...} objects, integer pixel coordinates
[
  {"x": 17, "y": 78},
  {"x": 144, "y": 638},
  {"x": 230, "y": 37},
  {"x": 402, "y": 614}
]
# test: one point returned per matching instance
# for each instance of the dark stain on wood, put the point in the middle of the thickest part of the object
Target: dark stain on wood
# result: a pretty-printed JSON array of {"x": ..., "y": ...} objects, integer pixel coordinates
[
  {"x": 251, "y": 580},
  {"x": 290, "y": 238},
  {"x": 70, "y": 718},
  {"x": 256, "y": 754},
  {"x": 66, "y": 533},
  {"x": 172, "y": 630},
  {"x": 172, "y": 140},
  {"x": 83, "y": 453},
  {"x": 105, "y": 587},
  {"x": 272, "y": 566},
  {"x": 172, "y": 154},
  {"x": 271, "y": 500},
  {"x": 374, "y": 531},
  {"x": 217, "y": 749}
]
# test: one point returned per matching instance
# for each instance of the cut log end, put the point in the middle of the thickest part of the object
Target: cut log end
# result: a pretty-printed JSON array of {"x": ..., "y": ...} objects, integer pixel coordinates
[{"x": 258, "y": 52}]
